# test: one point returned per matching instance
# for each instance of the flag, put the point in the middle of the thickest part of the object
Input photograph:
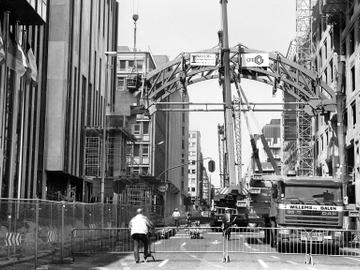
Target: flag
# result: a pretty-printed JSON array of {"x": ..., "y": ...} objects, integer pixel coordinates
[
  {"x": 17, "y": 59},
  {"x": 32, "y": 71},
  {"x": 2, "y": 50}
]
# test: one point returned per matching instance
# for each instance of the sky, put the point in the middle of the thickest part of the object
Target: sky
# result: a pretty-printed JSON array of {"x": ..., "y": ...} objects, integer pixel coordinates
[{"x": 169, "y": 27}]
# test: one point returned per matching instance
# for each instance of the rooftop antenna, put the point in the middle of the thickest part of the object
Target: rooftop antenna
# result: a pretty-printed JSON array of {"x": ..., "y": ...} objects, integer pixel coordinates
[{"x": 135, "y": 18}]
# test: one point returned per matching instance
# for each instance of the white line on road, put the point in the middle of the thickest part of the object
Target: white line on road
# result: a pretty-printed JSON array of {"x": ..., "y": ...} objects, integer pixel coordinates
[
  {"x": 247, "y": 245},
  {"x": 183, "y": 244},
  {"x": 353, "y": 259},
  {"x": 275, "y": 257},
  {"x": 291, "y": 262},
  {"x": 263, "y": 264},
  {"x": 163, "y": 263}
]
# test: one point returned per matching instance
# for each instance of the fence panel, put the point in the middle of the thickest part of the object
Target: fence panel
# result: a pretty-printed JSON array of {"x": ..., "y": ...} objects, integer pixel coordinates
[{"x": 40, "y": 231}]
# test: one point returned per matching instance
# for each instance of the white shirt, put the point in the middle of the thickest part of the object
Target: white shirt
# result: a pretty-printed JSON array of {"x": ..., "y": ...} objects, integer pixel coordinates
[
  {"x": 176, "y": 214},
  {"x": 139, "y": 224}
]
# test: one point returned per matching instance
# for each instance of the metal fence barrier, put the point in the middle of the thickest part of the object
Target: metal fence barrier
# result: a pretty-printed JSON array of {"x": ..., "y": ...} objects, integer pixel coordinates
[
  {"x": 195, "y": 239},
  {"x": 40, "y": 231}
]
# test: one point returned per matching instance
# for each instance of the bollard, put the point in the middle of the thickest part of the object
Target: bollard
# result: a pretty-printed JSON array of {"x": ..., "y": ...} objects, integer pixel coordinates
[
  {"x": 36, "y": 231},
  {"x": 62, "y": 231}
]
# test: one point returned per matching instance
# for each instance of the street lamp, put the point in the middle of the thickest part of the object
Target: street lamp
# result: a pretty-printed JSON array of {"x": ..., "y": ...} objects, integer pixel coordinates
[
  {"x": 165, "y": 182},
  {"x": 108, "y": 54}
]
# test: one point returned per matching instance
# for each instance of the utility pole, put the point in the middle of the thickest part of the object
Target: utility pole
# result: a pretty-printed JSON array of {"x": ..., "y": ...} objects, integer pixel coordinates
[{"x": 229, "y": 127}]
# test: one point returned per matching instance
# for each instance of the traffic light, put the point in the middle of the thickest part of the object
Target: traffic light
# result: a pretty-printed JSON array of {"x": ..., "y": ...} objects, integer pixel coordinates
[{"x": 211, "y": 166}]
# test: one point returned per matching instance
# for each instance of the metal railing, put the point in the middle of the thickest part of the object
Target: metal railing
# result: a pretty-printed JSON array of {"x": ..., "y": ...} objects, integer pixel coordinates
[
  {"x": 197, "y": 239},
  {"x": 40, "y": 231}
]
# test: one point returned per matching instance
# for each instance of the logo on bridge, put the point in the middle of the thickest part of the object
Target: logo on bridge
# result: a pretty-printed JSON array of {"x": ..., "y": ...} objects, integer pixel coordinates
[{"x": 255, "y": 60}]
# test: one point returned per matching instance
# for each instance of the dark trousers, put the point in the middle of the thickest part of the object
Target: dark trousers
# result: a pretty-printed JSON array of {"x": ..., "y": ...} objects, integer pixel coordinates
[{"x": 140, "y": 237}]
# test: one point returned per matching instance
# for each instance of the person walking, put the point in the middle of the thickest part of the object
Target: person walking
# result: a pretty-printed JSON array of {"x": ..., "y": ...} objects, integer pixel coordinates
[
  {"x": 188, "y": 219},
  {"x": 176, "y": 216},
  {"x": 140, "y": 226},
  {"x": 226, "y": 223}
]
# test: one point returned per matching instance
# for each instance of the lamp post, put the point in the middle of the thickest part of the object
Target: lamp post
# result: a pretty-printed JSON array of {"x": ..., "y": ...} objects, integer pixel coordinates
[
  {"x": 108, "y": 54},
  {"x": 165, "y": 182}
]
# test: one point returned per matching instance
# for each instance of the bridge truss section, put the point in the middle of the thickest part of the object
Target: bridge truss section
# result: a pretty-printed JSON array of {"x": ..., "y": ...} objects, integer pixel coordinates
[{"x": 302, "y": 84}]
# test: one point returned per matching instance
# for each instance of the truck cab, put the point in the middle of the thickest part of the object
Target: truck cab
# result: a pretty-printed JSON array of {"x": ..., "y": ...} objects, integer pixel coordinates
[{"x": 309, "y": 210}]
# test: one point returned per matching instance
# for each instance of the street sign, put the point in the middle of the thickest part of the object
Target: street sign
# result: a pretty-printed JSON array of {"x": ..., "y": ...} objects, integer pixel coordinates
[
  {"x": 163, "y": 188},
  {"x": 240, "y": 203},
  {"x": 12, "y": 239},
  {"x": 203, "y": 59},
  {"x": 354, "y": 213},
  {"x": 52, "y": 236},
  {"x": 255, "y": 60}
]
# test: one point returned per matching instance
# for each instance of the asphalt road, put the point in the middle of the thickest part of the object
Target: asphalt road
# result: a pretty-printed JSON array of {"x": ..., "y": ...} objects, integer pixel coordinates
[{"x": 182, "y": 252}]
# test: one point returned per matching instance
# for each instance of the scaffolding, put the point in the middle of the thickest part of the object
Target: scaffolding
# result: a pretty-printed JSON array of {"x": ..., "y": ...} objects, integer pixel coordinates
[
  {"x": 298, "y": 150},
  {"x": 116, "y": 140},
  {"x": 237, "y": 131}
]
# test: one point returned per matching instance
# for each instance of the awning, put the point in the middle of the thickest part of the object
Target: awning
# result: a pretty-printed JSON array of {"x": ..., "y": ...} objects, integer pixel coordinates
[{"x": 22, "y": 11}]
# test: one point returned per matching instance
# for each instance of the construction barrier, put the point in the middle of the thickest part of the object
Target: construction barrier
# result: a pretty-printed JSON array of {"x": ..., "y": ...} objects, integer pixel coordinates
[
  {"x": 198, "y": 239},
  {"x": 40, "y": 231}
]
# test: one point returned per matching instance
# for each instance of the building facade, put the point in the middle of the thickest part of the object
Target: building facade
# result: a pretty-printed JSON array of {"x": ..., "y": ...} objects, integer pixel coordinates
[
  {"x": 79, "y": 92},
  {"x": 23, "y": 68},
  {"x": 195, "y": 165},
  {"x": 271, "y": 132},
  {"x": 336, "y": 38},
  {"x": 160, "y": 148}
]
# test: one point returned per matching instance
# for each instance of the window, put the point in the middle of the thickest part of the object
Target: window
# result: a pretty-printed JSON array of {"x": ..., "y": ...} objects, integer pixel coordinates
[
  {"x": 136, "y": 150},
  {"x": 146, "y": 128},
  {"x": 130, "y": 64},
  {"x": 145, "y": 150},
  {"x": 353, "y": 78},
  {"x": 120, "y": 84},
  {"x": 139, "y": 65},
  {"x": 353, "y": 109},
  {"x": 193, "y": 189},
  {"x": 136, "y": 129},
  {"x": 193, "y": 171},
  {"x": 144, "y": 170},
  {"x": 122, "y": 65}
]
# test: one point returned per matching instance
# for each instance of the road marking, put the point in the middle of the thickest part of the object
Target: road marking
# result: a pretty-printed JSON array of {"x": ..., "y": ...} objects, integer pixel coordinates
[
  {"x": 274, "y": 257},
  {"x": 163, "y": 263},
  {"x": 247, "y": 245},
  {"x": 158, "y": 242},
  {"x": 205, "y": 261},
  {"x": 291, "y": 262},
  {"x": 353, "y": 259},
  {"x": 127, "y": 268},
  {"x": 216, "y": 242},
  {"x": 183, "y": 244},
  {"x": 263, "y": 264}
]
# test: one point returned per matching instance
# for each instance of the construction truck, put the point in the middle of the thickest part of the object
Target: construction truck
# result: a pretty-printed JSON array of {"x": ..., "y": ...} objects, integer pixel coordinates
[
  {"x": 304, "y": 203},
  {"x": 232, "y": 200}
]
